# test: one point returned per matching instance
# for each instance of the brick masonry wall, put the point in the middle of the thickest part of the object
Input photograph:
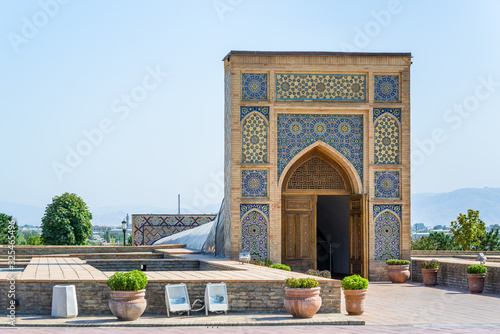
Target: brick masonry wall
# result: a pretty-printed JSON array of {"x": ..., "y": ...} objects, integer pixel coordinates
[
  {"x": 455, "y": 275},
  {"x": 211, "y": 266},
  {"x": 93, "y": 297},
  {"x": 151, "y": 265}
]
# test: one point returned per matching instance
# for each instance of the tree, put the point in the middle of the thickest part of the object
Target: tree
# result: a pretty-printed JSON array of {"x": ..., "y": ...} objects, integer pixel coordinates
[
  {"x": 467, "y": 230},
  {"x": 4, "y": 228},
  {"x": 66, "y": 221},
  {"x": 107, "y": 236},
  {"x": 435, "y": 241},
  {"x": 490, "y": 241}
]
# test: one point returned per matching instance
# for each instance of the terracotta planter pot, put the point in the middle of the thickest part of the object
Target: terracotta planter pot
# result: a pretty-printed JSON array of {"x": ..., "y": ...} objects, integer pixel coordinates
[
  {"x": 430, "y": 276},
  {"x": 127, "y": 305},
  {"x": 476, "y": 282},
  {"x": 302, "y": 303},
  {"x": 355, "y": 301},
  {"x": 398, "y": 274}
]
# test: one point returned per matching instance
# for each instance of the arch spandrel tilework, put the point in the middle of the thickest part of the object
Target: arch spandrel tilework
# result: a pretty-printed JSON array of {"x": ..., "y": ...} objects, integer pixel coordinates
[
  {"x": 254, "y": 139},
  {"x": 342, "y": 132},
  {"x": 387, "y": 231},
  {"x": 254, "y": 219},
  {"x": 386, "y": 140}
]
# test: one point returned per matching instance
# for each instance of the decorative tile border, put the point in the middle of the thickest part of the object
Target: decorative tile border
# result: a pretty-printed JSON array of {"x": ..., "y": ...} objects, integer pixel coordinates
[
  {"x": 323, "y": 87},
  {"x": 396, "y": 112},
  {"x": 342, "y": 132},
  {"x": 264, "y": 111},
  {"x": 254, "y": 139},
  {"x": 146, "y": 229}
]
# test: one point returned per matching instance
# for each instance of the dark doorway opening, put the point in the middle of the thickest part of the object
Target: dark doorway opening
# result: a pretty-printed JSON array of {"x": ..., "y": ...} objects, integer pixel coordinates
[{"x": 332, "y": 221}]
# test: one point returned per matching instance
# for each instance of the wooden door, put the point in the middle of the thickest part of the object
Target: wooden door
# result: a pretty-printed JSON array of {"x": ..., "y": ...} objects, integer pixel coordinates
[
  {"x": 358, "y": 235},
  {"x": 299, "y": 232}
]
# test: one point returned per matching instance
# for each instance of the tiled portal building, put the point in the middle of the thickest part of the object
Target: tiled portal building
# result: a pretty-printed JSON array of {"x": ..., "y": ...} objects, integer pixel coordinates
[{"x": 317, "y": 158}]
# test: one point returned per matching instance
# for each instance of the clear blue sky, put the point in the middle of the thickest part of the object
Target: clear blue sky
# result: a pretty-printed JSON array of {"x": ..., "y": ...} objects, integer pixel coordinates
[{"x": 68, "y": 68}]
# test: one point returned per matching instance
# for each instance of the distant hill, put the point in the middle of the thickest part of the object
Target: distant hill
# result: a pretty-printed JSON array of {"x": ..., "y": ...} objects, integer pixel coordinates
[{"x": 442, "y": 208}]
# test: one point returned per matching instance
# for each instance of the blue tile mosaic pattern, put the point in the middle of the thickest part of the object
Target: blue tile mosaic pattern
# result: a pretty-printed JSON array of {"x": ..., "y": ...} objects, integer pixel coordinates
[
  {"x": 254, "y": 229},
  {"x": 253, "y": 183},
  {"x": 387, "y": 231},
  {"x": 264, "y": 111},
  {"x": 386, "y": 88},
  {"x": 323, "y": 87},
  {"x": 386, "y": 140},
  {"x": 342, "y": 132},
  {"x": 147, "y": 229},
  {"x": 396, "y": 112},
  {"x": 386, "y": 184},
  {"x": 254, "y": 139},
  {"x": 254, "y": 86}
]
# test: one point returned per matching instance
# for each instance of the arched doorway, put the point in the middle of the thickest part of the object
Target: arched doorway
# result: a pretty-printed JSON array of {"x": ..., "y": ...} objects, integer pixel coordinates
[{"x": 323, "y": 216}]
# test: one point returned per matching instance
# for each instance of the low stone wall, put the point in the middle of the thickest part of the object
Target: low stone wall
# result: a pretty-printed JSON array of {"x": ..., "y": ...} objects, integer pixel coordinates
[
  {"x": 449, "y": 253},
  {"x": 145, "y": 264},
  {"x": 48, "y": 250},
  {"x": 454, "y": 274},
  {"x": 35, "y": 298}
]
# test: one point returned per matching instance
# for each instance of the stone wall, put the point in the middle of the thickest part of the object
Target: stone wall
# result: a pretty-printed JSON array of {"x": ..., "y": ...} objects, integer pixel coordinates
[
  {"x": 145, "y": 265},
  {"x": 35, "y": 298},
  {"x": 455, "y": 275},
  {"x": 449, "y": 253}
]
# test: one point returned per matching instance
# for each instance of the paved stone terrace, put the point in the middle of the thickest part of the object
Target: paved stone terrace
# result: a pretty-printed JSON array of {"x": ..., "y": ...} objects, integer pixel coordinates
[
  {"x": 390, "y": 308},
  {"x": 63, "y": 269}
]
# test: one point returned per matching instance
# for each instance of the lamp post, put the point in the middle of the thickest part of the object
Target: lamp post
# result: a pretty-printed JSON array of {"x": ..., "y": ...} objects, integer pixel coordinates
[{"x": 124, "y": 228}]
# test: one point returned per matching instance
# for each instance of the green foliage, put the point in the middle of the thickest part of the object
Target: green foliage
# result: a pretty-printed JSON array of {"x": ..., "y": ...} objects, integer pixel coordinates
[
  {"x": 435, "y": 241},
  {"x": 467, "y": 230},
  {"x": 261, "y": 262},
  {"x": 4, "y": 228},
  {"x": 301, "y": 283},
  {"x": 107, "y": 236},
  {"x": 490, "y": 241},
  {"x": 354, "y": 282},
  {"x": 134, "y": 280},
  {"x": 35, "y": 240},
  {"x": 280, "y": 266},
  {"x": 129, "y": 240},
  {"x": 433, "y": 264},
  {"x": 66, "y": 221},
  {"x": 397, "y": 262},
  {"x": 477, "y": 269},
  {"x": 324, "y": 273}
]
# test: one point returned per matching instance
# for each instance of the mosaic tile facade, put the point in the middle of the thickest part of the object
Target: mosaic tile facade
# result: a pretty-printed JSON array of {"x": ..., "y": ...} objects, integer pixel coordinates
[
  {"x": 254, "y": 139},
  {"x": 387, "y": 185},
  {"x": 254, "y": 86},
  {"x": 387, "y": 231},
  {"x": 386, "y": 140},
  {"x": 264, "y": 111},
  {"x": 254, "y": 219},
  {"x": 146, "y": 229},
  {"x": 323, "y": 87},
  {"x": 342, "y": 132},
  {"x": 253, "y": 183},
  {"x": 386, "y": 88}
]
